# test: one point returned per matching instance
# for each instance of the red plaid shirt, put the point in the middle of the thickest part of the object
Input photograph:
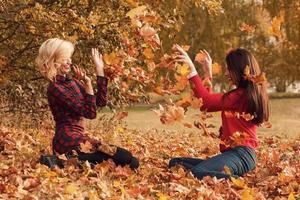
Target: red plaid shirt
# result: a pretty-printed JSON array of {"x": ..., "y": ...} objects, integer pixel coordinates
[{"x": 69, "y": 104}]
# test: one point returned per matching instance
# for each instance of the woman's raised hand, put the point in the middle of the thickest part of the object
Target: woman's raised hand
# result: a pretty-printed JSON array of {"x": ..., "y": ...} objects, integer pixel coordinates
[
  {"x": 205, "y": 60},
  {"x": 98, "y": 62},
  {"x": 182, "y": 56}
]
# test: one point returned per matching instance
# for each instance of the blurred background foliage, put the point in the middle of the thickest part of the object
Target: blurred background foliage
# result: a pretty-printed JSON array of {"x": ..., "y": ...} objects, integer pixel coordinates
[{"x": 268, "y": 28}]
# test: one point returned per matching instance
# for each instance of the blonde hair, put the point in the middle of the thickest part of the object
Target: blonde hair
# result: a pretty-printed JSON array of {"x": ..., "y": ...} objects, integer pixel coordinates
[{"x": 51, "y": 52}]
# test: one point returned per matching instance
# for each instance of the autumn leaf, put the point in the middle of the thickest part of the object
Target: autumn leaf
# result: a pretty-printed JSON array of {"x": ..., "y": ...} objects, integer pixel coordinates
[
  {"x": 148, "y": 53},
  {"x": 185, "y": 47},
  {"x": 86, "y": 147},
  {"x": 238, "y": 182},
  {"x": 200, "y": 57},
  {"x": 107, "y": 148},
  {"x": 248, "y": 194},
  {"x": 135, "y": 12},
  {"x": 121, "y": 115},
  {"x": 247, "y": 28},
  {"x": 182, "y": 69},
  {"x": 170, "y": 113},
  {"x": 291, "y": 196},
  {"x": 216, "y": 69},
  {"x": 71, "y": 189},
  {"x": 276, "y": 24},
  {"x": 188, "y": 125}
]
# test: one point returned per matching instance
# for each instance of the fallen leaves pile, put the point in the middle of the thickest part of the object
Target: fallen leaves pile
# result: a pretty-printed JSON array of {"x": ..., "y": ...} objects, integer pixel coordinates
[{"x": 277, "y": 175}]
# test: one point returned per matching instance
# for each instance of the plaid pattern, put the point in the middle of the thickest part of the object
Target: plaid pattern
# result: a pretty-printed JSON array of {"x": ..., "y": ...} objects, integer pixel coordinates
[{"x": 69, "y": 104}]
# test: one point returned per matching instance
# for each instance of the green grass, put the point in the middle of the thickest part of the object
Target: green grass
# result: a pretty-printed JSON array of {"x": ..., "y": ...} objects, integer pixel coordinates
[{"x": 284, "y": 116}]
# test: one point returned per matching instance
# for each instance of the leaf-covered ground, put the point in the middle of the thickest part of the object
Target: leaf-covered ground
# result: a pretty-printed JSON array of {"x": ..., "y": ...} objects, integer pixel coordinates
[{"x": 277, "y": 175}]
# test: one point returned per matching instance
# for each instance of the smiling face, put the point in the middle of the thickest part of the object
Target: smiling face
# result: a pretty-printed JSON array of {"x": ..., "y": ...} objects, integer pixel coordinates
[
  {"x": 55, "y": 58},
  {"x": 65, "y": 66}
]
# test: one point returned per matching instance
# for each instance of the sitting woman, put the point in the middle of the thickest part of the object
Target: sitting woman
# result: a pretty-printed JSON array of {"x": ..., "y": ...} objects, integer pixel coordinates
[
  {"x": 71, "y": 100},
  {"x": 249, "y": 97}
]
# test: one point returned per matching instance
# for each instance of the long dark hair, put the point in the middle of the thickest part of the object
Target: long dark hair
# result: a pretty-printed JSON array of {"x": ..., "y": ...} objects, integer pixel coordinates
[{"x": 258, "y": 101}]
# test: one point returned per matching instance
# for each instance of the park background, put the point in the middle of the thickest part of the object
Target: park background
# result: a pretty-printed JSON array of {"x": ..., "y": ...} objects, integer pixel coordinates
[{"x": 134, "y": 37}]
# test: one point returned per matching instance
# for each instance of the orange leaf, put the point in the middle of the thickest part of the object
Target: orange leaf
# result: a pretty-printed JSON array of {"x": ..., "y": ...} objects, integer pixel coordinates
[
  {"x": 121, "y": 115},
  {"x": 188, "y": 125}
]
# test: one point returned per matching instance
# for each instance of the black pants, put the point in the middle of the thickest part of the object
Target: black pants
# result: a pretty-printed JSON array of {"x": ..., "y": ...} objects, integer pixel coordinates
[{"x": 121, "y": 157}]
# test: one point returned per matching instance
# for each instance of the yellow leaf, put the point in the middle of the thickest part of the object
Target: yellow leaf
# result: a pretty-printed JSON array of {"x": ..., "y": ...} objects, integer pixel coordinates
[
  {"x": 120, "y": 129},
  {"x": 291, "y": 196},
  {"x": 161, "y": 196},
  {"x": 238, "y": 183},
  {"x": 117, "y": 183},
  {"x": 216, "y": 69},
  {"x": 148, "y": 53},
  {"x": 71, "y": 189},
  {"x": 93, "y": 195},
  {"x": 183, "y": 69},
  {"x": 247, "y": 194},
  {"x": 136, "y": 12},
  {"x": 73, "y": 38},
  {"x": 132, "y": 2}
]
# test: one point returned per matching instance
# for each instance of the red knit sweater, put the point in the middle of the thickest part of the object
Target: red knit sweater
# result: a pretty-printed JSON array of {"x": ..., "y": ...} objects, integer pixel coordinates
[{"x": 235, "y": 101}]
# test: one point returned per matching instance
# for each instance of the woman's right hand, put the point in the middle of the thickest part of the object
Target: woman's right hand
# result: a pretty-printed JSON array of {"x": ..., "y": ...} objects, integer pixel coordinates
[
  {"x": 184, "y": 57},
  {"x": 82, "y": 76},
  {"x": 205, "y": 60}
]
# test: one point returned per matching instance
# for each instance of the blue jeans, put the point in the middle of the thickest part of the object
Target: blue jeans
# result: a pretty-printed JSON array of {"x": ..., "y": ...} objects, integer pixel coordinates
[{"x": 238, "y": 159}]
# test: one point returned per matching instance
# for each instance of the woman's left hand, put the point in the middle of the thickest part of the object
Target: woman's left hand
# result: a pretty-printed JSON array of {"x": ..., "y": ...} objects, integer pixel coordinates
[{"x": 98, "y": 62}]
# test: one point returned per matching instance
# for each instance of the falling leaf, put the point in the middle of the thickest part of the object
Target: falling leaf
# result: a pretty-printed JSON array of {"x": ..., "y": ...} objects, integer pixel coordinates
[
  {"x": 247, "y": 28},
  {"x": 135, "y": 12},
  {"x": 216, "y": 69},
  {"x": 147, "y": 32},
  {"x": 183, "y": 69},
  {"x": 185, "y": 47},
  {"x": 121, "y": 115},
  {"x": 200, "y": 57},
  {"x": 266, "y": 125},
  {"x": 170, "y": 113},
  {"x": 207, "y": 83}
]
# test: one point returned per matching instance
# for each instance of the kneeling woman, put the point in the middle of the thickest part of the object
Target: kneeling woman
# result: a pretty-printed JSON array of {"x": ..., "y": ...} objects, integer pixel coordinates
[
  {"x": 71, "y": 100},
  {"x": 249, "y": 97}
]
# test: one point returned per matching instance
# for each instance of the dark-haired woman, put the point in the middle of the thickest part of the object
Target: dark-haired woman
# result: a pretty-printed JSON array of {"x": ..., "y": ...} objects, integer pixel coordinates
[{"x": 249, "y": 98}]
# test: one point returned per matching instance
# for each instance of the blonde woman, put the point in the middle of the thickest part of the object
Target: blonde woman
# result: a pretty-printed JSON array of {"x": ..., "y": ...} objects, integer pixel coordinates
[{"x": 72, "y": 99}]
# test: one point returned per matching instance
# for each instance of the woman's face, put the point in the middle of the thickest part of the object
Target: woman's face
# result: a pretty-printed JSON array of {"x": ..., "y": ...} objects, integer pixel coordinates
[
  {"x": 228, "y": 76},
  {"x": 65, "y": 66}
]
